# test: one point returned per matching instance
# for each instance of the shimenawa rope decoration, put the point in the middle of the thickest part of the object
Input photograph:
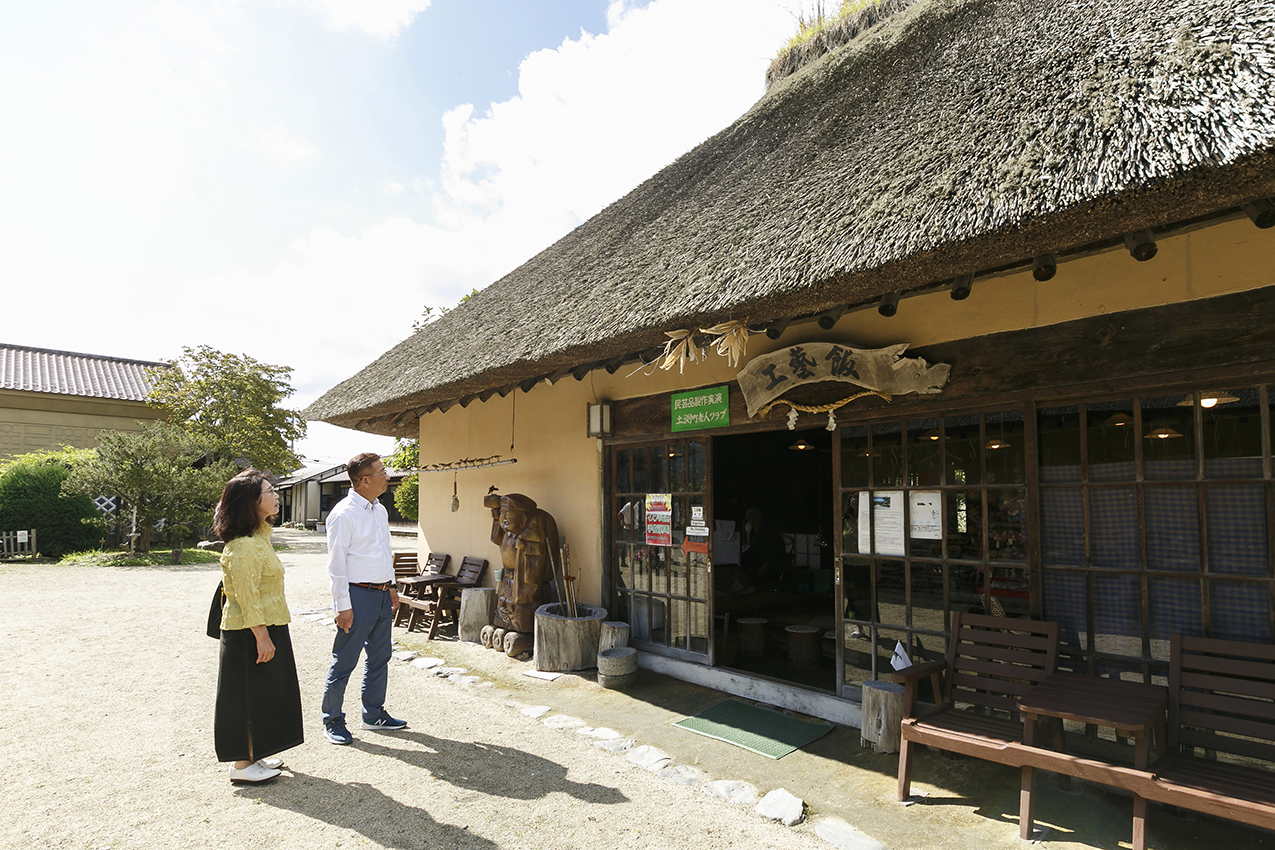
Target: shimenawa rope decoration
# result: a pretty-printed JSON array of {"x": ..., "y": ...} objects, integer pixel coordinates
[{"x": 821, "y": 408}]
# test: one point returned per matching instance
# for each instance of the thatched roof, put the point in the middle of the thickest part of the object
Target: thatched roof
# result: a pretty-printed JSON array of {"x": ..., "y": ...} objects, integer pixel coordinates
[{"x": 957, "y": 136}]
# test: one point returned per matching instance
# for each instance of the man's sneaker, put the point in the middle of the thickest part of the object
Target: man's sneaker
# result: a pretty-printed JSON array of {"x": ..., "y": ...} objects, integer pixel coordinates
[
  {"x": 384, "y": 723},
  {"x": 337, "y": 733}
]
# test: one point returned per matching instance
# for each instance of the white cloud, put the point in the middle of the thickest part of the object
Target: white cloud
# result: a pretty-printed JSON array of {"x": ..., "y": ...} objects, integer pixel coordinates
[
  {"x": 389, "y": 187},
  {"x": 381, "y": 18},
  {"x": 277, "y": 144}
]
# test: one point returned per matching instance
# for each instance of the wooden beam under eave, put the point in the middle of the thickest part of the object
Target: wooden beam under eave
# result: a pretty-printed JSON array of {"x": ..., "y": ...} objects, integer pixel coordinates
[
  {"x": 526, "y": 385},
  {"x": 444, "y": 406},
  {"x": 464, "y": 402},
  {"x": 504, "y": 391},
  {"x": 558, "y": 375},
  {"x": 615, "y": 363},
  {"x": 486, "y": 394},
  {"x": 582, "y": 372}
]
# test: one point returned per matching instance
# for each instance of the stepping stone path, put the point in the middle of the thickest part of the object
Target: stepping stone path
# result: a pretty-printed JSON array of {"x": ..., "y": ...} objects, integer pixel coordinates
[{"x": 781, "y": 806}]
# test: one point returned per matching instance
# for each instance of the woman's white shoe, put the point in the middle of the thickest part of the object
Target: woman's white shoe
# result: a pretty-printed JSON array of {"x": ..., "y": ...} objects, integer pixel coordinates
[
  {"x": 270, "y": 764},
  {"x": 252, "y": 773}
]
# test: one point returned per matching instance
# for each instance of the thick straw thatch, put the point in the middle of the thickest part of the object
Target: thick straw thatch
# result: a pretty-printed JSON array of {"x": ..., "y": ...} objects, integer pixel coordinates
[{"x": 956, "y": 136}]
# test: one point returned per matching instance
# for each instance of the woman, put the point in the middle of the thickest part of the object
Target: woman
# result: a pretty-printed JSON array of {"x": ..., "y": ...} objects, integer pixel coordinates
[{"x": 258, "y": 699}]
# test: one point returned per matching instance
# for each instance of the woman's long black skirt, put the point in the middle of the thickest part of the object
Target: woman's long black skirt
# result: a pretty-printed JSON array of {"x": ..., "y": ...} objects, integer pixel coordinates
[{"x": 258, "y": 705}]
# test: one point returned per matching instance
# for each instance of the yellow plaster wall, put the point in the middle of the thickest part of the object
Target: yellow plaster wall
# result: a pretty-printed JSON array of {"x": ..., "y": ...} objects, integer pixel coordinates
[
  {"x": 36, "y": 421},
  {"x": 560, "y": 467}
]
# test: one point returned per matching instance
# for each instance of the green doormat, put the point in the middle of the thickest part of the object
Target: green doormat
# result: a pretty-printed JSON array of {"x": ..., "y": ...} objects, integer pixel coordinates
[{"x": 765, "y": 731}]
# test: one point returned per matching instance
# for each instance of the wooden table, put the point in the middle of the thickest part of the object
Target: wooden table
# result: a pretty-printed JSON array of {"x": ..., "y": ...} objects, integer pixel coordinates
[
  {"x": 1133, "y": 709},
  {"x": 416, "y": 586}
]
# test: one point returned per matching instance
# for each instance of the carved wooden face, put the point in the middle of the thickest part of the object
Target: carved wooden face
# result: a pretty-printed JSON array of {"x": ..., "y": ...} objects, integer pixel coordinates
[{"x": 512, "y": 519}]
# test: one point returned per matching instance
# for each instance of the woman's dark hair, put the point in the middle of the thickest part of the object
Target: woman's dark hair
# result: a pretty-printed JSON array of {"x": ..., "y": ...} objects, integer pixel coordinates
[{"x": 236, "y": 513}]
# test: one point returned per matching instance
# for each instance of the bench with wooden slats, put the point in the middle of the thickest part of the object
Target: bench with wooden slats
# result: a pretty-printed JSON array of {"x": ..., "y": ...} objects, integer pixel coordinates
[
  {"x": 1221, "y": 758},
  {"x": 991, "y": 663}
]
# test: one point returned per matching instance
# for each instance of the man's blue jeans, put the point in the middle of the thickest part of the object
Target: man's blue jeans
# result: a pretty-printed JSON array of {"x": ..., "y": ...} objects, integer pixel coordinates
[{"x": 373, "y": 622}]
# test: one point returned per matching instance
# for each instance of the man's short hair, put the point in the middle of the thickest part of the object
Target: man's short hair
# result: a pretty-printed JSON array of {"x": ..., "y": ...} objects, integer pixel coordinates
[{"x": 359, "y": 464}]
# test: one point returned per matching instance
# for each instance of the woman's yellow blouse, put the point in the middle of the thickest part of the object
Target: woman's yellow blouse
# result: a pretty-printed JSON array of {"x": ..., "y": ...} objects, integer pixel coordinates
[{"x": 253, "y": 579}]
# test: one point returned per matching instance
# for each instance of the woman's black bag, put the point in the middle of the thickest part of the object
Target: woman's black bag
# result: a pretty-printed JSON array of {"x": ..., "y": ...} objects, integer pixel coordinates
[{"x": 214, "y": 612}]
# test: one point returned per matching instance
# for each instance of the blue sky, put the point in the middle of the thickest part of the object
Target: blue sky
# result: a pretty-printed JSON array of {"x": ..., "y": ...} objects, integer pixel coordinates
[{"x": 295, "y": 179}]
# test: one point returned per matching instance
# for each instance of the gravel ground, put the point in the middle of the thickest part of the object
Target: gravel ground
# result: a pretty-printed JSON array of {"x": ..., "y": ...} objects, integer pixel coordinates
[{"x": 107, "y": 727}]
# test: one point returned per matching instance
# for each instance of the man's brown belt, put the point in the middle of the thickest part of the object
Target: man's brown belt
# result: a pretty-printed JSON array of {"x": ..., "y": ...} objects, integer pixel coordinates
[{"x": 383, "y": 586}]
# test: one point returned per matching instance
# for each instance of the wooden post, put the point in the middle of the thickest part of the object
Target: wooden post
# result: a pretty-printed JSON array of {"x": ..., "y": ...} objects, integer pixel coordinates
[
  {"x": 804, "y": 646},
  {"x": 752, "y": 636},
  {"x": 477, "y": 607},
  {"x": 615, "y": 635},
  {"x": 882, "y": 716}
]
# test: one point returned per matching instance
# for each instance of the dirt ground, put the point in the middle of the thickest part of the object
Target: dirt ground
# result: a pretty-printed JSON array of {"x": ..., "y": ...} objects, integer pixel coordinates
[{"x": 106, "y": 723}]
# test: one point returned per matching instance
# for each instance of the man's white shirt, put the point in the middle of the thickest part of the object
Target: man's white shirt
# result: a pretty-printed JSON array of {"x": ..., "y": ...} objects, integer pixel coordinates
[{"x": 358, "y": 547}]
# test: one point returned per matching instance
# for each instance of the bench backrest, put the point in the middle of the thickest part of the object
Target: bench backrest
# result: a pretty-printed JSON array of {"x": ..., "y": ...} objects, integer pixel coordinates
[
  {"x": 471, "y": 570},
  {"x": 406, "y": 564},
  {"x": 1222, "y": 696},
  {"x": 436, "y": 564},
  {"x": 993, "y": 661}
]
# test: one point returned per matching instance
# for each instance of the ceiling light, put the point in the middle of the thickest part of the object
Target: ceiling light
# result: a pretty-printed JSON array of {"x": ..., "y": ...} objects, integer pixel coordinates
[
  {"x": 932, "y": 434},
  {"x": 1162, "y": 434},
  {"x": 1118, "y": 420},
  {"x": 1208, "y": 400},
  {"x": 800, "y": 446},
  {"x": 996, "y": 443}
]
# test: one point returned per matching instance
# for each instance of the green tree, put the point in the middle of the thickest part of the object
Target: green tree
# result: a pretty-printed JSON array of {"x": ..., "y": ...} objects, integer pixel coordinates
[
  {"x": 407, "y": 455},
  {"x": 32, "y": 497},
  {"x": 163, "y": 471},
  {"x": 232, "y": 404}
]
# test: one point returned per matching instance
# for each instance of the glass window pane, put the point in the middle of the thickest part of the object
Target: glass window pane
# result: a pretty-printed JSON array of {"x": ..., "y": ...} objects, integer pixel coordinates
[
  {"x": 1232, "y": 433},
  {"x": 1010, "y": 591},
  {"x": 1240, "y": 611},
  {"x": 1007, "y": 535},
  {"x": 887, "y": 454},
  {"x": 697, "y": 572},
  {"x": 925, "y": 463},
  {"x": 1058, "y": 435},
  {"x": 658, "y": 566},
  {"x": 961, "y": 450},
  {"x": 1065, "y": 604},
  {"x": 1236, "y": 518},
  {"x": 1168, "y": 439},
  {"x": 857, "y": 588},
  {"x": 1117, "y": 615},
  {"x": 858, "y": 655},
  {"x": 678, "y": 578},
  {"x": 642, "y": 567},
  {"x": 891, "y": 608},
  {"x": 884, "y": 646},
  {"x": 1004, "y": 446},
  {"x": 658, "y": 469},
  {"x": 624, "y": 562},
  {"x": 927, "y": 597},
  {"x": 698, "y": 467},
  {"x": 640, "y": 478},
  {"x": 1174, "y": 607},
  {"x": 627, "y": 513},
  {"x": 698, "y": 627},
  {"x": 1112, "y": 441},
  {"x": 963, "y": 589},
  {"x": 850, "y": 542},
  {"x": 965, "y": 525},
  {"x": 854, "y": 456},
  {"x": 1173, "y": 528},
  {"x": 1113, "y": 527},
  {"x": 1062, "y": 526},
  {"x": 678, "y": 623},
  {"x": 623, "y": 478},
  {"x": 677, "y": 469}
]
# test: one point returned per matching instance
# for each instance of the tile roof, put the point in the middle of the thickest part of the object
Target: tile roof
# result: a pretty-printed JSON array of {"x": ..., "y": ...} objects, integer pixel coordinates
[{"x": 40, "y": 370}]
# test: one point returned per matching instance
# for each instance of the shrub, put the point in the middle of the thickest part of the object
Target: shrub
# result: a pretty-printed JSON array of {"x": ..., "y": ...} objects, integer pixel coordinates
[
  {"x": 31, "y": 497},
  {"x": 407, "y": 497}
]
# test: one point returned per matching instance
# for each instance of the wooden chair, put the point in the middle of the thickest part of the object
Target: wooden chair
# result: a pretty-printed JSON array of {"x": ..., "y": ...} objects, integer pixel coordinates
[
  {"x": 445, "y": 601},
  {"x": 435, "y": 564},
  {"x": 406, "y": 564}
]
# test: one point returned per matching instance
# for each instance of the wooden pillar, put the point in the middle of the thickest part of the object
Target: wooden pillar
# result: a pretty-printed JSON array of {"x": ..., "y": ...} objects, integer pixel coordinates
[
  {"x": 882, "y": 716},
  {"x": 615, "y": 635}
]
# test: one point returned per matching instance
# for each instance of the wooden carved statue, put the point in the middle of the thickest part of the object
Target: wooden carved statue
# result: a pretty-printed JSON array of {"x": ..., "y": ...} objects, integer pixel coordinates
[{"x": 528, "y": 541}]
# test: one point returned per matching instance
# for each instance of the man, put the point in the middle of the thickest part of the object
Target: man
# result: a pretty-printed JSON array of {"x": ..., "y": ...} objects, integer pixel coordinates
[{"x": 361, "y": 571}]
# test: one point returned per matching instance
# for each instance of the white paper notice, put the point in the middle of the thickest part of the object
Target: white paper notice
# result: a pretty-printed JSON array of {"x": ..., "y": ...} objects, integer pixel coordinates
[
  {"x": 925, "y": 511},
  {"x": 886, "y": 520}
]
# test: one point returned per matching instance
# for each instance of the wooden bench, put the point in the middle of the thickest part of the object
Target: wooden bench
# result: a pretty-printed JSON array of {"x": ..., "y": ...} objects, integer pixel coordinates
[
  {"x": 435, "y": 565},
  {"x": 1221, "y": 758},
  {"x": 444, "y": 599},
  {"x": 991, "y": 663}
]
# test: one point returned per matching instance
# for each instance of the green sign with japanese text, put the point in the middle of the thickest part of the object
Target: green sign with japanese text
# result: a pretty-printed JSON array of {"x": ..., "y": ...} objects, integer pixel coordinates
[{"x": 707, "y": 408}]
